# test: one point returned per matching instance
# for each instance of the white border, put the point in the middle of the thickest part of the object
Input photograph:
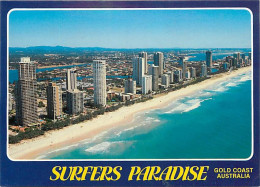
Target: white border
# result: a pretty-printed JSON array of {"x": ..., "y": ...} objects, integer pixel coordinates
[{"x": 79, "y": 9}]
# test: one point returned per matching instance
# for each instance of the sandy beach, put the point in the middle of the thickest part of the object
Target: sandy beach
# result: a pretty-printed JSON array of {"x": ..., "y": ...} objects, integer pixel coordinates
[{"x": 30, "y": 149}]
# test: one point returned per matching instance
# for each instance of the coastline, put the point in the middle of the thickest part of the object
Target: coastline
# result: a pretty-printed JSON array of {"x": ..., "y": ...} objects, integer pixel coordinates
[{"x": 30, "y": 149}]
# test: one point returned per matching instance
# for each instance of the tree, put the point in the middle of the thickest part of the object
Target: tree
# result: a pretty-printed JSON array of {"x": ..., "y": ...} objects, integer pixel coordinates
[{"x": 41, "y": 104}]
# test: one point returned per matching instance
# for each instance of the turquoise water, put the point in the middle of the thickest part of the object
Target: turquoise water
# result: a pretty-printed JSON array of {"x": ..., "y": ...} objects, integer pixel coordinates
[{"x": 212, "y": 123}]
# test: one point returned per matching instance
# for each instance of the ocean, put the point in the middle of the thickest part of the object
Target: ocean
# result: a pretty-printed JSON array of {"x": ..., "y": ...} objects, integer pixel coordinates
[{"x": 214, "y": 123}]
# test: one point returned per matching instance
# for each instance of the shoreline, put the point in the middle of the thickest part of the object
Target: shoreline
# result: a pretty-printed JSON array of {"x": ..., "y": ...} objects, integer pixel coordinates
[{"x": 33, "y": 148}]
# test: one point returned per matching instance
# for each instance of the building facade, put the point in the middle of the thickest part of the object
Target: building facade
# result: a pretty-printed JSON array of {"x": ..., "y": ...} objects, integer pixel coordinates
[
  {"x": 71, "y": 79},
  {"x": 166, "y": 80},
  {"x": 146, "y": 84},
  {"x": 138, "y": 69},
  {"x": 54, "y": 101},
  {"x": 99, "y": 77},
  {"x": 26, "y": 97},
  {"x": 144, "y": 55},
  {"x": 158, "y": 61},
  {"x": 209, "y": 58},
  {"x": 203, "y": 70},
  {"x": 75, "y": 101},
  {"x": 130, "y": 86}
]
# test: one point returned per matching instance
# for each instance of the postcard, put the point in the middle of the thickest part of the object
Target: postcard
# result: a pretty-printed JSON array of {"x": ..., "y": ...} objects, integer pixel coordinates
[{"x": 128, "y": 93}]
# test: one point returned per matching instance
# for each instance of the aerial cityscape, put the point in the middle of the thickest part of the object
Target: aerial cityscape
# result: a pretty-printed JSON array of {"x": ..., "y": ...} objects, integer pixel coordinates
[{"x": 60, "y": 96}]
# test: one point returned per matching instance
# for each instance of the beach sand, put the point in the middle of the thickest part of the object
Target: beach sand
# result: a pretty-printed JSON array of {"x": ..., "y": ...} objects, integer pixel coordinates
[{"x": 30, "y": 149}]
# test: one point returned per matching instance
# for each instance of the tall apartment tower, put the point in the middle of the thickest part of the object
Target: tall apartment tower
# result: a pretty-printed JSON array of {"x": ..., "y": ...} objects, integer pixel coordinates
[
  {"x": 26, "y": 97},
  {"x": 237, "y": 58},
  {"x": 203, "y": 70},
  {"x": 71, "y": 79},
  {"x": 165, "y": 80},
  {"x": 138, "y": 69},
  {"x": 147, "y": 84},
  {"x": 184, "y": 69},
  {"x": 54, "y": 101},
  {"x": 99, "y": 76},
  {"x": 130, "y": 86},
  {"x": 209, "y": 58},
  {"x": 158, "y": 61},
  {"x": 75, "y": 101},
  {"x": 144, "y": 55},
  {"x": 155, "y": 77}
]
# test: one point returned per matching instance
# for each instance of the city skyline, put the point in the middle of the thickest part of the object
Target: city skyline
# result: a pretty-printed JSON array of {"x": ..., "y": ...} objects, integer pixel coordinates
[{"x": 131, "y": 28}]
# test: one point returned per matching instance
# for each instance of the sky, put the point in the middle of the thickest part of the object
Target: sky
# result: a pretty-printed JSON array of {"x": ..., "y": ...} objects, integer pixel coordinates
[{"x": 131, "y": 28}]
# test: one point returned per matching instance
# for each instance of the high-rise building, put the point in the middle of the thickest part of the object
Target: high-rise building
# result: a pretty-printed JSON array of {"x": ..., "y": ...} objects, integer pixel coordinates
[
  {"x": 158, "y": 61},
  {"x": 71, "y": 79},
  {"x": 225, "y": 65},
  {"x": 26, "y": 97},
  {"x": 146, "y": 84},
  {"x": 177, "y": 75},
  {"x": 130, "y": 86},
  {"x": 181, "y": 59},
  {"x": 99, "y": 76},
  {"x": 75, "y": 101},
  {"x": 155, "y": 77},
  {"x": 184, "y": 69},
  {"x": 193, "y": 72},
  {"x": 144, "y": 55},
  {"x": 209, "y": 58},
  {"x": 166, "y": 80},
  {"x": 237, "y": 59},
  {"x": 10, "y": 102},
  {"x": 203, "y": 70},
  {"x": 54, "y": 101},
  {"x": 138, "y": 69},
  {"x": 171, "y": 76},
  {"x": 188, "y": 74}
]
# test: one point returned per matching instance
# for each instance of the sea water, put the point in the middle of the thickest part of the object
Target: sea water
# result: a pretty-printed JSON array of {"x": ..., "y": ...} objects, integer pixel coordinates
[{"x": 214, "y": 123}]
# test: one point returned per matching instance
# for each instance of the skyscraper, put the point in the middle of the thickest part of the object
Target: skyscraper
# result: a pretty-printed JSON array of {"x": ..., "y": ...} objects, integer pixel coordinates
[
  {"x": 71, "y": 79},
  {"x": 193, "y": 72},
  {"x": 237, "y": 59},
  {"x": 165, "y": 80},
  {"x": 130, "y": 86},
  {"x": 144, "y": 55},
  {"x": 203, "y": 70},
  {"x": 138, "y": 69},
  {"x": 146, "y": 84},
  {"x": 184, "y": 69},
  {"x": 26, "y": 97},
  {"x": 158, "y": 61},
  {"x": 155, "y": 77},
  {"x": 75, "y": 101},
  {"x": 209, "y": 58},
  {"x": 99, "y": 76},
  {"x": 171, "y": 76},
  {"x": 54, "y": 101}
]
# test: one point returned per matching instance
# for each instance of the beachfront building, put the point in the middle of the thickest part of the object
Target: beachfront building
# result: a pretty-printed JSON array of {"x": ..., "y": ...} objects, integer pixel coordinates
[
  {"x": 177, "y": 76},
  {"x": 171, "y": 76},
  {"x": 158, "y": 61},
  {"x": 144, "y": 55},
  {"x": 146, "y": 84},
  {"x": 237, "y": 59},
  {"x": 71, "y": 79},
  {"x": 54, "y": 101},
  {"x": 225, "y": 66},
  {"x": 25, "y": 92},
  {"x": 166, "y": 80},
  {"x": 99, "y": 76},
  {"x": 209, "y": 58},
  {"x": 203, "y": 70},
  {"x": 130, "y": 86},
  {"x": 193, "y": 72},
  {"x": 187, "y": 75},
  {"x": 138, "y": 69},
  {"x": 154, "y": 71},
  {"x": 184, "y": 69},
  {"x": 75, "y": 101}
]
